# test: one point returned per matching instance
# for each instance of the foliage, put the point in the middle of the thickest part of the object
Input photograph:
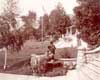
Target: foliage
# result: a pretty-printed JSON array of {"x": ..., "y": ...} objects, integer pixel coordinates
[
  {"x": 55, "y": 23},
  {"x": 29, "y": 19},
  {"x": 8, "y": 18},
  {"x": 59, "y": 20},
  {"x": 46, "y": 24},
  {"x": 88, "y": 16}
]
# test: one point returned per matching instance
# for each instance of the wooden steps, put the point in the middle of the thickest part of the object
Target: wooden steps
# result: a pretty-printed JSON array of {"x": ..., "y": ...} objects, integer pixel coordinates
[
  {"x": 91, "y": 69},
  {"x": 95, "y": 63},
  {"x": 95, "y": 68},
  {"x": 91, "y": 74}
]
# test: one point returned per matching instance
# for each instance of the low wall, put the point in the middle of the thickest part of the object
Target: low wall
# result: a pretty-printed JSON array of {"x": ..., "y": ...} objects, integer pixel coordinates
[{"x": 66, "y": 53}]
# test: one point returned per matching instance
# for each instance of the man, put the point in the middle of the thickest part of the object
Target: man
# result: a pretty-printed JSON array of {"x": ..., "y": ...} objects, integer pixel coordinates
[
  {"x": 52, "y": 47},
  {"x": 49, "y": 54}
]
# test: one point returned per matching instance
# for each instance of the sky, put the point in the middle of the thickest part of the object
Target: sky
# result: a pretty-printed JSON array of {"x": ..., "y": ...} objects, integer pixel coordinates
[{"x": 43, "y": 6}]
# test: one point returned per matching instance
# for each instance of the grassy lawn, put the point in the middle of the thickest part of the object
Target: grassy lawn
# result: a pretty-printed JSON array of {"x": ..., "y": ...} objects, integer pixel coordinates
[{"x": 19, "y": 62}]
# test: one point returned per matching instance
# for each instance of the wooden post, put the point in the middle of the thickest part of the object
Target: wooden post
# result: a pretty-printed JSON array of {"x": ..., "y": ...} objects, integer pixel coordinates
[
  {"x": 5, "y": 58},
  {"x": 81, "y": 59}
]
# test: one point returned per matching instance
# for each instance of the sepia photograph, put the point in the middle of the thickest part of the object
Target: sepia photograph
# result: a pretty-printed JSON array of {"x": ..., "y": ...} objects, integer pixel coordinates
[{"x": 49, "y": 39}]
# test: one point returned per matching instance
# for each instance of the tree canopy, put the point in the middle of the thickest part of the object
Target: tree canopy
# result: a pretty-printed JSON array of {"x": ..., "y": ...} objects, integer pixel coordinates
[
  {"x": 59, "y": 20},
  {"x": 88, "y": 16}
]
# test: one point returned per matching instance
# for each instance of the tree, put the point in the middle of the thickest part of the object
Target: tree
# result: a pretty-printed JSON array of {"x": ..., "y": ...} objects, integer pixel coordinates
[
  {"x": 88, "y": 16},
  {"x": 7, "y": 22},
  {"x": 10, "y": 12},
  {"x": 10, "y": 6},
  {"x": 40, "y": 31},
  {"x": 59, "y": 20},
  {"x": 29, "y": 21},
  {"x": 46, "y": 24}
]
